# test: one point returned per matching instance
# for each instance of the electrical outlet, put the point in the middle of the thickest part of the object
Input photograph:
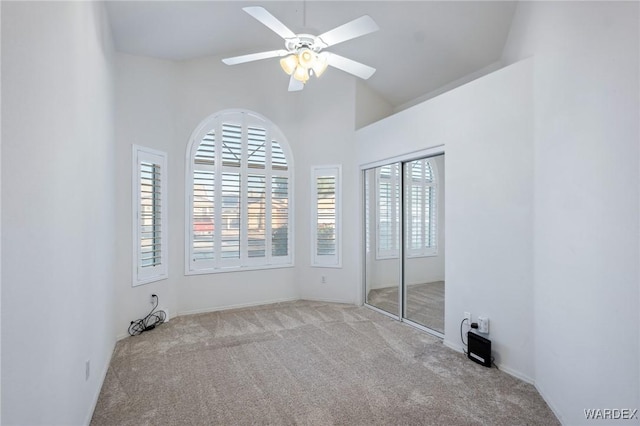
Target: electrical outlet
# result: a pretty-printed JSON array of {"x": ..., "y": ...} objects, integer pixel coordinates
[
  {"x": 483, "y": 324},
  {"x": 324, "y": 279},
  {"x": 467, "y": 315},
  {"x": 87, "y": 370},
  {"x": 152, "y": 299}
]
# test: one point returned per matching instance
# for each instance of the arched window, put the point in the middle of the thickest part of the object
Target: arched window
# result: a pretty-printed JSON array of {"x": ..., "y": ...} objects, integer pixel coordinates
[{"x": 239, "y": 195}]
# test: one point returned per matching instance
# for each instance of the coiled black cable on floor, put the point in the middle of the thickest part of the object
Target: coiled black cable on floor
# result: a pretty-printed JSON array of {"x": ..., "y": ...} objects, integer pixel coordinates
[
  {"x": 149, "y": 322},
  {"x": 465, "y": 345}
]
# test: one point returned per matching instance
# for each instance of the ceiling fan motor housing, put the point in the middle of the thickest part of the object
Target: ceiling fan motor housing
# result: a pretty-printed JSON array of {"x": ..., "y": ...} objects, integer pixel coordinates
[{"x": 304, "y": 41}]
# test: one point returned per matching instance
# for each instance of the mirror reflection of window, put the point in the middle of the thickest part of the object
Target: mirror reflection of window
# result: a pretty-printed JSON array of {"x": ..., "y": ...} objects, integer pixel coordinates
[
  {"x": 421, "y": 206},
  {"x": 404, "y": 241},
  {"x": 382, "y": 237},
  {"x": 388, "y": 211}
]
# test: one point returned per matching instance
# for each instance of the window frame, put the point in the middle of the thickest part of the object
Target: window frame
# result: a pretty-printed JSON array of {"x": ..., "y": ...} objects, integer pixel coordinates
[
  {"x": 159, "y": 272},
  {"x": 333, "y": 260},
  {"x": 245, "y": 119}
]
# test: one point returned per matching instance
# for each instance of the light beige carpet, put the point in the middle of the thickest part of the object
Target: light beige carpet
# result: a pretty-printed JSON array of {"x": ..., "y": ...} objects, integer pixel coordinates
[
  {"x": 305, "y": 363},
  {"x": 425, "y": 303}
]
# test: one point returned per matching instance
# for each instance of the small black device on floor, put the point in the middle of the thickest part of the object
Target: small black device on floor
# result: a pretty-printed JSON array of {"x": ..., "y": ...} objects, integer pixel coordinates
[{"x": 479, "y": 349}]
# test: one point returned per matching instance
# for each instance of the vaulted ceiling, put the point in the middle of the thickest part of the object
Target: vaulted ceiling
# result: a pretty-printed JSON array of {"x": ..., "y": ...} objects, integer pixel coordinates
[{"x": 421, "y": 45}]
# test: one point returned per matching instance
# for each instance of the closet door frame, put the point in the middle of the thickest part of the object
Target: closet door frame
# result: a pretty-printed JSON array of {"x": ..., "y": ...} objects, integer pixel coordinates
[{"x": 402, "y": 159}]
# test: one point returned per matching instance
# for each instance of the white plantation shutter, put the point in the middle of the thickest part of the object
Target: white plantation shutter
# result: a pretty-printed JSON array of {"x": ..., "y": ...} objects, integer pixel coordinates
[
  {"x": 203, "y": 190},
  {"x": 239, "y": 195},
  {"x": 388, "y": 211},
  {"x": 421, "y": 208},
  {"x": 149, "y": 215},
  {"x": 280, "y": 216},
  {"x": 326, "y": 244}
]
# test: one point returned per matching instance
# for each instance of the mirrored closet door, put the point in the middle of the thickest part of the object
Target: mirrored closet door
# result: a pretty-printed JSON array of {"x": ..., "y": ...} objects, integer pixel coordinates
[
  {"x": 423, "y": 206},
  {"x": 382, "y": 238},
  {"x": 404, "y": 240}
]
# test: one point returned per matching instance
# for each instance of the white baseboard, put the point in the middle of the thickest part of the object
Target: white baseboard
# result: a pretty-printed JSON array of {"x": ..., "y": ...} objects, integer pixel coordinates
[
  {"x": 238, "y": 306},
  {"x": 453, "y": 346},
  {"x": 103, "y": 376},
  {"x": 502, "y": 367},
  {"x": 529, "y": 380},
  {"x": 553, "y": 408},
  {"x": 316, "y": 299}
]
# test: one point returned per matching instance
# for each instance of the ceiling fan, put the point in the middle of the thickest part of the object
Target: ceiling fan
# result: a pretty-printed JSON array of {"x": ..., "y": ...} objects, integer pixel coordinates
[{"x": 303, "y": 54}]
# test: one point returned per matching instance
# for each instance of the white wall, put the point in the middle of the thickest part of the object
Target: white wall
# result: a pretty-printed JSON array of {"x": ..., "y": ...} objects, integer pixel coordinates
[
  {"x": 543, "y": 159},
  {"x": 586, "y": 201},
  {"x": 327, "y": 132},
  {"x": 0, "y": 221},
  {"x": 57, "y": 210},
  {"x": 145, "y": 96},
  {"x": 370, "y": 106},
  {"x": 159, "y": 103},
  {"x": 485, "y": 127}
]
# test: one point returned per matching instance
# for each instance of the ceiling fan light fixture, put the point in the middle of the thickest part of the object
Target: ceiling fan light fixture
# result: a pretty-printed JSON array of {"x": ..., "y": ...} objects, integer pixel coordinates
[
  {"x": 301, "y": 74},
  {"x": 320, "y": 64},
  {"x": 289, "y": 64},
  {"x": 306, "y": 58}
]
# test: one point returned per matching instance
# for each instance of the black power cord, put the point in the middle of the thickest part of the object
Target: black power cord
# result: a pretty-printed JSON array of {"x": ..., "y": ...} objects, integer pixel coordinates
[
  {"x": 149, "y": 322},
  {"x": 462, "y": 338}
]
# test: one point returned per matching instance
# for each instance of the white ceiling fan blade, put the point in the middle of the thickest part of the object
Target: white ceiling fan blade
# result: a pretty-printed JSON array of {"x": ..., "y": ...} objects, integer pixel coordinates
[
  {"x": 352, "y": 67},
  {"x": 356, "y": 28},
  {"x": 295, "y": 85},
  {"x": 254, "y": 57},
  {"x": 261, "y": 14}
]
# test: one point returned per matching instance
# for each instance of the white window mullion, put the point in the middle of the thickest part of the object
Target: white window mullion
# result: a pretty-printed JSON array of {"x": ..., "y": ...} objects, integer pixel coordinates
[
  {"x": 268, "y": 174},
  {"x": 433, "y": 209},
  {"x": 244, "y": 190},
  {"x": 395, "y": 209},
  {"x": 409, "y": 207},
  {"x": 189, "y": 260},
  {"x": 217, "y": 203},
  {"x": 421, "y": 184},
  {"x": 422, "y": 224}
]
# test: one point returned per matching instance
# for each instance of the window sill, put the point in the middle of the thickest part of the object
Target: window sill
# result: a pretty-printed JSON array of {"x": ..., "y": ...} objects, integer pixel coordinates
[
  {"x": 320, "y": 265},
  {"x": 414, "y": 256},
  {"x": 236, "y": 269},
  {"x": 390, "y": 257},
  {"x": 149, "y": 280}
]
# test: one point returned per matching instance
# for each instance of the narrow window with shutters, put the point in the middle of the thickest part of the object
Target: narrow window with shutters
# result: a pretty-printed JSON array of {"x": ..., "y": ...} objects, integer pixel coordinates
[
  {"x": 326, "y": 249},
  {"x": 150, "y": 215}
]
